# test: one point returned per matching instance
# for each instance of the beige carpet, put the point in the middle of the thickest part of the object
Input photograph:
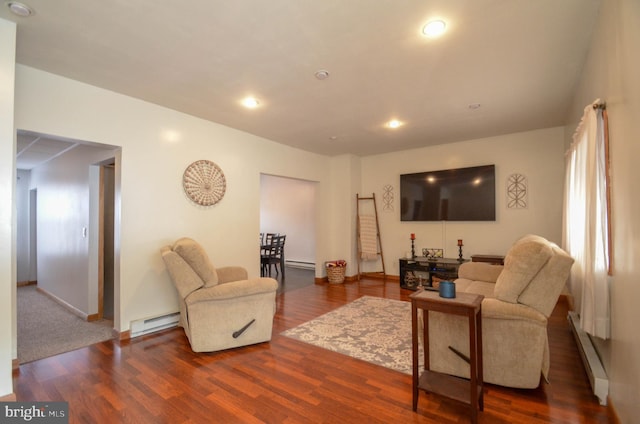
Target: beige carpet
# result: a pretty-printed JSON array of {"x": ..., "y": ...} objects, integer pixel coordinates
[{"x": 46, "y": 328}]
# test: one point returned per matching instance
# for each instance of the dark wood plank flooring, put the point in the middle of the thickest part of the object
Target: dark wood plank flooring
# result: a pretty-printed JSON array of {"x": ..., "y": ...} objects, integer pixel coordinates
[{"x": 158, "y": 379}]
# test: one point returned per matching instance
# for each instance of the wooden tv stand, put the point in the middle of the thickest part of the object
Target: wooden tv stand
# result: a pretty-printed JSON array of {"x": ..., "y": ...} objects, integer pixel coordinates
[
  {"x": 492, "y": 259},
  {"x": 435, "y": 269}
]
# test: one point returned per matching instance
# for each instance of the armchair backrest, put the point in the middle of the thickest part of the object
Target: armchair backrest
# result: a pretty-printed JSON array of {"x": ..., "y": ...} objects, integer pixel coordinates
[
  {"x": 535, "y": 271},
  {"x": 183, "y": 276},
  {"x": 197, "y": 258},
  {"x": 189, "y": 266}
]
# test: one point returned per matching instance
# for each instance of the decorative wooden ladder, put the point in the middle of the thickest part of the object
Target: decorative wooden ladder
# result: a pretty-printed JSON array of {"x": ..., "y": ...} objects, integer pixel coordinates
[{"x": 359, "y": 234}]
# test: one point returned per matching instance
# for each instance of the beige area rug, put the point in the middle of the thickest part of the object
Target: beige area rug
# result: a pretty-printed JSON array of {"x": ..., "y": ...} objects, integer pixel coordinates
[
  {"x": 46, "y": 328},
  {"x": 372, "y": 329}
]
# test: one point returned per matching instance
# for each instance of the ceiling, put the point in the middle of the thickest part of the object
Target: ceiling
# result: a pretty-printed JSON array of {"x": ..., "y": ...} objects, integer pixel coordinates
[
  {"x": 518, "y": 59},
  {"x": 33, "y": 149}
]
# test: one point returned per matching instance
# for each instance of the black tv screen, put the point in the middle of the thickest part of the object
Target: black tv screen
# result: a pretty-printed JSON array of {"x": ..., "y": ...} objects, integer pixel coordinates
[{"x": 463, "y": 194}]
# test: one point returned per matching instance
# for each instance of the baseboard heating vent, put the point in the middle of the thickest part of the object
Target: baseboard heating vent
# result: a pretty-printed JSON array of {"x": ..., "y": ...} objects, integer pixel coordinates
[
  {"x": 300, "y": 264},
  {"x": 595, "y": 370},
  {"x": 151, "y": 325}
]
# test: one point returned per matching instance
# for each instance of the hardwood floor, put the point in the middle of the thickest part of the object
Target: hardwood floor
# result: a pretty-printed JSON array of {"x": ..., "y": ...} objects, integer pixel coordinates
[{"x": 158, "y": 379}]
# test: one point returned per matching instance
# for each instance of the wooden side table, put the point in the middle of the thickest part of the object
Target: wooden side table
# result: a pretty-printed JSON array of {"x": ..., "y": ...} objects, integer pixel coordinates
[{"x": 468, "y": 392}]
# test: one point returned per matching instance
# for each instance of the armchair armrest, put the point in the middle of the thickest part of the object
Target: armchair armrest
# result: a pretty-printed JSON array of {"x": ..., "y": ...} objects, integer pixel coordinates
[
  {"x": 231, "y": 273},
  {"x": 498, "y": 309},
  {"x": 233, "y": 290},
  {"x": 480, "y": 271}
]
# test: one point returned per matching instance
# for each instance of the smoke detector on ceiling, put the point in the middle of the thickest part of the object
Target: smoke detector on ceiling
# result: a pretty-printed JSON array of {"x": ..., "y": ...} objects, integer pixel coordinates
[{"x": 322, "y": 74}]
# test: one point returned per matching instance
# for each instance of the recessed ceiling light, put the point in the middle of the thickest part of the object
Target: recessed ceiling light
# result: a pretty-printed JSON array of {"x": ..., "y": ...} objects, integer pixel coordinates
[
  {"x": 394, "y": 123},
  {"x": 20, "y": 9},
  {"x": 434, "y": 29},
  {"x": 250, "y": 102}
]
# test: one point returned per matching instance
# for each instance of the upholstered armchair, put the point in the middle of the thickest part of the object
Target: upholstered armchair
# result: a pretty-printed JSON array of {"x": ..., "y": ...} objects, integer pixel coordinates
[
  {"x": 220, "y": 308},
  {"x": 519, "y": 298}
]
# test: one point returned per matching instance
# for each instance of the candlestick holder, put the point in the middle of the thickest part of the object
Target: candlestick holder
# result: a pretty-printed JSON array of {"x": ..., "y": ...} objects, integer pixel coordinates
[
  {"x": 460, "y": 253},
  {"x": 413, "y": 249}
]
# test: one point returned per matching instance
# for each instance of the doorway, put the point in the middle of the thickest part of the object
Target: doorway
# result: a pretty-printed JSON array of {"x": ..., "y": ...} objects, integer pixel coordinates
[
  {"x": 106, "y": 253},
  {"x": 288, "y": 207},
  {"x": 70, "y": 187}
]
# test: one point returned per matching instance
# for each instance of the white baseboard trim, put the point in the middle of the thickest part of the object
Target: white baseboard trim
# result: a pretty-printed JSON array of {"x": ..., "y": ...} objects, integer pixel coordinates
[
  {"x": 83, "y": 315},
  {"x": 299, "y": 264}
]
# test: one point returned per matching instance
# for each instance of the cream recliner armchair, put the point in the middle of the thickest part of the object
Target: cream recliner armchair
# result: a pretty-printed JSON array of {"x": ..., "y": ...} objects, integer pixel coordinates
[
  {"x": 519, "y": 298},
  {"x": 219, "y": 307}
]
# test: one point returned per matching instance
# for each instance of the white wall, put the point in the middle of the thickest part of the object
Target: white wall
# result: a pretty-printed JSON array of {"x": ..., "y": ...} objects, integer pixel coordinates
[
  {"x": 157, "y": 145},
  {"x": 345, "y": 183},
  {"x": 612, "y": 74},
  {"x": 288, "y": 206},
  {"x": 8, "y": 349},
  {"x": 23, "y": 257},
  {"x": 536, "y": 154},
  {"x": 63, "y": 212}
]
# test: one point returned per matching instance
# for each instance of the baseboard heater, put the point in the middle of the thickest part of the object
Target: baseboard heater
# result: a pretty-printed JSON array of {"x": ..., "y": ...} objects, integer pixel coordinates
[
  {"x": 151, "y": 325},
  {"x": 595, "y": 371},
  {"x": 300, "y": 264}
]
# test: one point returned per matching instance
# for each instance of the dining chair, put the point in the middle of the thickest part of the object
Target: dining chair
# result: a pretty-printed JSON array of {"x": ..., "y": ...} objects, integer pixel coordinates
[
  {"x": 266, "y": 241},
  {"x": 268, "y": 238},
  {"x": 273, "y": 254}
]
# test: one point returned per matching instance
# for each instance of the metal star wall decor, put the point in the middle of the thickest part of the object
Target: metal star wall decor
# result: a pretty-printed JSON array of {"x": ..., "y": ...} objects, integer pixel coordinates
[
  {"x": 517, "y": 191},
  {"x": 387, "y": 198}
]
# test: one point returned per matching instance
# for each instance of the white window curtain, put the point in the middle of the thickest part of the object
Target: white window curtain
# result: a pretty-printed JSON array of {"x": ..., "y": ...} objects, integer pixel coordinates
[{"x": 586, "y": 226}]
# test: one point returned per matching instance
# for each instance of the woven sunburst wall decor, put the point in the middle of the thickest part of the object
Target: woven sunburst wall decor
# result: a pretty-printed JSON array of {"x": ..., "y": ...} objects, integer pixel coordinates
[{"x": 204, "y": 183}]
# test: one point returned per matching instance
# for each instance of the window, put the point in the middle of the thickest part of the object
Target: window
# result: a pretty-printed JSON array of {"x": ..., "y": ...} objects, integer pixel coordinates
[{"x": 587, "y": 220}]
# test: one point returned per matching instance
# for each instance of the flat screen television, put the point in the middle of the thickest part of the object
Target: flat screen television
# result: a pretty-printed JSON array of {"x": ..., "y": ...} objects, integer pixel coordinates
[{"x": 463, "y": 194}]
